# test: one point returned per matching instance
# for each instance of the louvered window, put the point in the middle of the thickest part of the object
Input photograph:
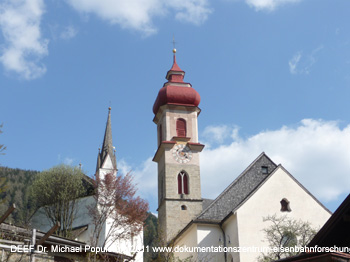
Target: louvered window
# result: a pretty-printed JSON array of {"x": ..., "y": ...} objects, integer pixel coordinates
[{"x": 181, "y": 127}]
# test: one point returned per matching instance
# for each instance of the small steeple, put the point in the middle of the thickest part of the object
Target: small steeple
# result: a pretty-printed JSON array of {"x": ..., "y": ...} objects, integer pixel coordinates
[
  {"x": 107, "y": 146},
  {"x": 176, "y": 91},
  {"x": 175, "y": 74}
]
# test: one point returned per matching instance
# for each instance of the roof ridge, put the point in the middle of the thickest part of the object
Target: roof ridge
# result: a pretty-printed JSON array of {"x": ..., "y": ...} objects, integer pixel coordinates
[
  {"x": 235, "y": 181},
  {"x": 304, "y": 188}
]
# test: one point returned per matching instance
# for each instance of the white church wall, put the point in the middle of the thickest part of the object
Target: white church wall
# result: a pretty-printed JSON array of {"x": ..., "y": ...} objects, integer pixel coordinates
[
  {"x": 138, "y": 246},
  {"x": 188, "y": 239},
  {"x": 230, "y": 227},
  {"x": 107, "y": 167},
  {"x": 266, "y": 201},
  {"x": 210, "y": 236},
  {"x": 128, "y": 245}
]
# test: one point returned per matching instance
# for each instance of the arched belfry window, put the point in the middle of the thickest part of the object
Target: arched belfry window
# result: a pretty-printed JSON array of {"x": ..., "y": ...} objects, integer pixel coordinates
[
  {"x": 285, "y": 205},
  {"x": 181, "y": 127},
  {"x": 182, "y": 183}
]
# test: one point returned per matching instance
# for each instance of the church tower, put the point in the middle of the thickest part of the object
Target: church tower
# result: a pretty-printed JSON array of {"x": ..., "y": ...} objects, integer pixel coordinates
[
  {"x": 106, "y": 160},
  {"x": 179, "y": 188}
]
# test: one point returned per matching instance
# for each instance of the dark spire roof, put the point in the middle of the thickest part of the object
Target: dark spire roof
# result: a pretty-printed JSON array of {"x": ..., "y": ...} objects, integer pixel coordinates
[{"x": 107, "y": 146}]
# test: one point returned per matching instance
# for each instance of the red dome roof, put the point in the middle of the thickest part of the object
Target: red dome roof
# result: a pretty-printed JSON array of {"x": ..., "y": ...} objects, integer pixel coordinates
[{"x": 175, "y": 91}]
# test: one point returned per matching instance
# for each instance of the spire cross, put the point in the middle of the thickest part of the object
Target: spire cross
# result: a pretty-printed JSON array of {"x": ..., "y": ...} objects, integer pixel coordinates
[
  {"x": 174, "y": 49},
  {"x": 174, "y": 42}
]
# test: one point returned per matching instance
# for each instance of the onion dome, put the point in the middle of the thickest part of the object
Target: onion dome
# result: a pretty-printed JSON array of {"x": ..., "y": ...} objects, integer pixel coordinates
[{"x": 176, "y": 91}]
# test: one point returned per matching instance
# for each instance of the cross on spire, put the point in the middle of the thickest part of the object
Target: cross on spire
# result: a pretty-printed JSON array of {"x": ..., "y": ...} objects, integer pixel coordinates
[{"x": 174, "y": 49}]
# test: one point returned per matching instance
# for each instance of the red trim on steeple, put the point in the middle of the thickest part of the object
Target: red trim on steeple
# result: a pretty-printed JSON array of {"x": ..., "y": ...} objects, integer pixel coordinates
[
  {"x": 175, "y": 91},
  {"x": 175, "y": 67}
]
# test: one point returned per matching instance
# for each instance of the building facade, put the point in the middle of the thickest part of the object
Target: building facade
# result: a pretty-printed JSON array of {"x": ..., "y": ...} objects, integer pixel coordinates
[{"x": 235, "y": 217}]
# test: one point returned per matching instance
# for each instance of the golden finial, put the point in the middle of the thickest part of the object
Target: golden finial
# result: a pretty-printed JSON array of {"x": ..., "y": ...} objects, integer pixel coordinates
[{"x": 174, "y": 49}]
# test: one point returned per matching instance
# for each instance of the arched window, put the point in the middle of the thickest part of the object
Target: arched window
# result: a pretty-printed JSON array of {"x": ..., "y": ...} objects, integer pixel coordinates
[
  {"x": 185, "y": 180},
  {"x": 182, "y": 183},
  {"x": 179, "y": 183},
  {"x": 285, "y": 205},
  {"x": 183, "y": 207},
  {"x": 181, "y": 127}
]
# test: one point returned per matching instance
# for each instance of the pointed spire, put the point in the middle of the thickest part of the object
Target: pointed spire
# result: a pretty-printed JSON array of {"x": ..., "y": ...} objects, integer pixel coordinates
[
  {"x": 175, "y": 67},
  {"x": 175, "y": 74},
  {"x": 107, "y": 146}
]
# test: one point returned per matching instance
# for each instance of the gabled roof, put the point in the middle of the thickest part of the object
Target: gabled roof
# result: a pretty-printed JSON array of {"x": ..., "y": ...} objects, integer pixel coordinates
[
  {"x": 240, "y": 189},
  {"x": 336, "y": 231}
]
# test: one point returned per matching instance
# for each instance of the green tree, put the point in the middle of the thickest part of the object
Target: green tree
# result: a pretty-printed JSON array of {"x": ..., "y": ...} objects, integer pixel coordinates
[
  {"x": 150, "y": 234},
  {"x": 57, "y": 191},
  {"x": 285, "y": 232}
]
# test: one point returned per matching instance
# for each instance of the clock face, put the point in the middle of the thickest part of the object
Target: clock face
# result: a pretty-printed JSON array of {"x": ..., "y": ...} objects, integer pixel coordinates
[{"x": 182, "y": 153}]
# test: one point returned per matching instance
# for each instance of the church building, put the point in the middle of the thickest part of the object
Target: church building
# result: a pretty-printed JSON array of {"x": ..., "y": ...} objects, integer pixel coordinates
[
  {"x": 83, "y": 225},
  {"x": 235, "y": 217}
]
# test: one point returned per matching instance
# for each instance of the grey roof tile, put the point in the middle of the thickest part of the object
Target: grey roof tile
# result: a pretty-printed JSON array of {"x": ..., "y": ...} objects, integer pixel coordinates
[
  {"x": 206, "y": 202},
  {"x": 107, "y": 146},
  {"x": 238, "y": 190}
]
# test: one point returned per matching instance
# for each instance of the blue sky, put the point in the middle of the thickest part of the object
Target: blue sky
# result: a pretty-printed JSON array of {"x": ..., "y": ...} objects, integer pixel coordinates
[{"x": 273, "y": 75}]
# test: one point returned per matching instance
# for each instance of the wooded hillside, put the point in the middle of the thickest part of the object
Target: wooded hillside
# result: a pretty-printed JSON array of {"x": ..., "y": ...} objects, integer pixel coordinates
[{"x": 16, "y": 184}]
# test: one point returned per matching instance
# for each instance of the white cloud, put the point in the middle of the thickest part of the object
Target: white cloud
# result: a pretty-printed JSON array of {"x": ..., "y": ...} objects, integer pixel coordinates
[
  {"x": 193, "y": 11},
  {"x": 65, "y": 160},
  {"x": 68, "y": 32},
  {"x": 24, "y": 45},
  {"x": 68, "y": 161},
  {"x": 301, "y": 64},
  {"x": 269, "y": 5},
  {"x": 213, "y": 135},
  {"x": 138, "y": 14},
  {"x": 145, "y": 177},
  {"x": 216, "y": 133},
  {"x": 293, "y": 63},
  {"x": 316, "y": 152}
]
